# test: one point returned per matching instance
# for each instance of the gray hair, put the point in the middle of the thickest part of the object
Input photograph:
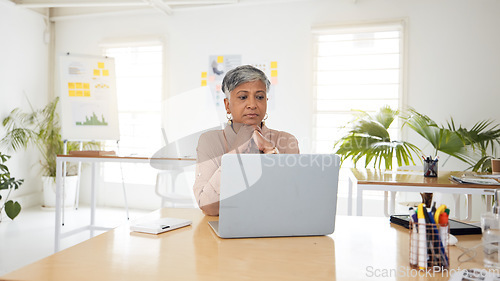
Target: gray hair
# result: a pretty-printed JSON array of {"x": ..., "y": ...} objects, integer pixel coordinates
[{"x": 240, "y": 75}]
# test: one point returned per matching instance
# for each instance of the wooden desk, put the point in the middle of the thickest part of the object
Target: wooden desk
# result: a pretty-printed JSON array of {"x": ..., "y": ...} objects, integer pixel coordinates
[
  {"x": 361, "y": 248},
  {"x": 164, "y": 163},
  {"x": 409, "y": 181}
]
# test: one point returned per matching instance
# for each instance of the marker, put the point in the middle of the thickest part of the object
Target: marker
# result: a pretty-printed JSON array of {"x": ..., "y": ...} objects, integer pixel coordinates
[
  {"x": 443, "y": 222},
  {"x": 422, "y": 243},
  {"x": 414, "y": 237},
  {"x": 438, "y": 213},
  {"x": 439, "y": 251}
]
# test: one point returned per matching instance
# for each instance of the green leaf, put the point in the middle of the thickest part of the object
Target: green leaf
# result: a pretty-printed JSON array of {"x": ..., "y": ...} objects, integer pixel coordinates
[{"x": 12, "y": 209}]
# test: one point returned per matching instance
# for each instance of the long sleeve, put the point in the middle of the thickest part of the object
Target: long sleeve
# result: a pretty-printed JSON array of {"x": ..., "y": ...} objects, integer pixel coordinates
[{"x": 207, "y": 182}]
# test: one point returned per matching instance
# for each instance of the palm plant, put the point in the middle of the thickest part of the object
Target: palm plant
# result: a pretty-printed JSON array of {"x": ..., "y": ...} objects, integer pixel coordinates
[
  {"x": 42, "y": 129},
  {"x": 369, "y": 138},
  {"x": 469, "y": 146}
]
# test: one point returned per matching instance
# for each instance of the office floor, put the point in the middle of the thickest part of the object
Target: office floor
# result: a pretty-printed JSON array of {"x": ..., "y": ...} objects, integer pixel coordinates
[{"x": 30, "y": 236}]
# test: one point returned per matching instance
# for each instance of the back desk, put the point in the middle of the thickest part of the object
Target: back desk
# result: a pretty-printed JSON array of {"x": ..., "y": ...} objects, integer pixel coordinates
[{"x": 361, "y": 248}]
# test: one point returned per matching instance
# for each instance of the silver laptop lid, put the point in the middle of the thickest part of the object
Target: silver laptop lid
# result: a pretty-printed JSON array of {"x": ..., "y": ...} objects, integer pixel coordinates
[{"x": 265, "y": 195}]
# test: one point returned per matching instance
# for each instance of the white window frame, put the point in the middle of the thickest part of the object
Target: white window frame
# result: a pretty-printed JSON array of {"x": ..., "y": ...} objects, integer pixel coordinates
[
  {"x": 400, "y": 24},
  {"x": 139, "y": 42}
]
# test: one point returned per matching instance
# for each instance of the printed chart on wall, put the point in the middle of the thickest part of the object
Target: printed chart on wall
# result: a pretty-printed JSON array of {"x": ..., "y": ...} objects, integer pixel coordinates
[
  {"x": 219, "y": 65},
  {"x": 88, "y": 98},
  {"x": 217, "y": 68}
]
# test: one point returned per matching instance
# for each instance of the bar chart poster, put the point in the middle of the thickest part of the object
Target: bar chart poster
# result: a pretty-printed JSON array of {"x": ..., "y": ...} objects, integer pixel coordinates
[{"x": 89, "y": 109}]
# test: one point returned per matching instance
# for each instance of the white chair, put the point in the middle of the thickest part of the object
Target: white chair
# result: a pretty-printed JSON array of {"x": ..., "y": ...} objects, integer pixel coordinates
[
  {"x": 172, "y": 183},
  {"x": 174, "y": 191}
]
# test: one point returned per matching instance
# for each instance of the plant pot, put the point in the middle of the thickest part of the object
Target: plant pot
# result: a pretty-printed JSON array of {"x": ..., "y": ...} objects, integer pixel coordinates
[{"x": 69, "y": 193}]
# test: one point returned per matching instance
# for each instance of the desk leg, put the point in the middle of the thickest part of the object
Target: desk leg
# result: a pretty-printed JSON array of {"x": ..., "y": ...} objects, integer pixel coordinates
[
  {"x": 58, "y": 205},
  {"x": 456, "y": 198},
  {"x": 93, "y": 199},
  {"x": 386, "y": 200},
  {"x": 349, "y": 197},
  {"x": 389, "y": 206},
  {"x": 489, "y": 200},
  {"x": 392, "y": 206},
  {"x": 359, "y": 201}
]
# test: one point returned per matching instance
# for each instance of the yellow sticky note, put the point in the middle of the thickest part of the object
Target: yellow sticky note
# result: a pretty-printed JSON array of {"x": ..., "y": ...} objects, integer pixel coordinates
[
  {"x": 79, "y": 93},
  {"x": 86, "y": 85},
  {"x": 274, "y": 64},
  {"x": 86, "y": 93},
  {"x": 203, "y": 83},
  {"x": 220, "y": 59},
  {"x": 274, "y": 73},
  {"x": 71, "y": 85},
  {"x": 100, "y": 65},
  {"x": 72, "y": 93},
  {"x": 79, "y": 85},
  {"x": 105, "y": 72},
  {"x": 204, "y": 74},
  {"x": 97, "y": 72}
]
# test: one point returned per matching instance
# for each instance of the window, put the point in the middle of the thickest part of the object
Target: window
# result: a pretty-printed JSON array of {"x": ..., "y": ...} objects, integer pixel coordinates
[
  {"x": 355, "y": 68},
  {"x": 139, "y": 72}
]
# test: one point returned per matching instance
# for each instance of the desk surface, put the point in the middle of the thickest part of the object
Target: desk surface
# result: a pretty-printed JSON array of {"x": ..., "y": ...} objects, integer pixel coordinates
[
  {"x": 131, "y": 157},
  {"x": 410, "y": 178},
  {"x": 361, "y": 247}
]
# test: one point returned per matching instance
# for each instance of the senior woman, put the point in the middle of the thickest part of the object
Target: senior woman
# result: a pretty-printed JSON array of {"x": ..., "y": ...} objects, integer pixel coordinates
[{"x": 245, "y": 88}]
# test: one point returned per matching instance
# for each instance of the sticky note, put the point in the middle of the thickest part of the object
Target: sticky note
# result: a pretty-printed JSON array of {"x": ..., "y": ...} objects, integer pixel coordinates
[
  {"x": 204, "y": 74},
  {"x": 274, "y": 73},
  {"x": 79, "y": 85},
  {"x": 71, "y": 85},
  {"x": 203, "y": 83},
  {"x": 86, "y": 93},
  {"x": 274, "y": 64},
  {"x": 105, "y": 72},
  {"x": 218, "y": 87},
  {"x": 220, "y": 59},
  {"x": 211, "y": 78},
  {"x": 72, "y": 93},
  {"x": 97, "y": 72},
  {"x": 274, "y": 80},
  {"x": 86, "y": 85},
  {"x": 100, "y": 65},
  {"x": 79, "y": 93}
]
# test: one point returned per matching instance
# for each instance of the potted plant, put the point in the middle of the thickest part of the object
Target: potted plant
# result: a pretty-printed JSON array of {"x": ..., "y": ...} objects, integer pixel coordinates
[
  {"x": 369, "y": 138},
  {"x": 41, "y": 128},
  {"x": 12, "y": 209},
  {"x": 471, "y": 146}
]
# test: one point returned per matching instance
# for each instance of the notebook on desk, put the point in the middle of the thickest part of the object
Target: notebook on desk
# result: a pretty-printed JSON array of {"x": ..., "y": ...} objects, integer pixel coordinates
[{"x": 269, "y": 195}]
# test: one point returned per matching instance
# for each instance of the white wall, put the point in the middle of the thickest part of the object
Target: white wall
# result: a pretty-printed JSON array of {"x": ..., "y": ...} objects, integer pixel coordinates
[
  {"x": 23, "y": 76},
  {"x": 453, "y": 65}
]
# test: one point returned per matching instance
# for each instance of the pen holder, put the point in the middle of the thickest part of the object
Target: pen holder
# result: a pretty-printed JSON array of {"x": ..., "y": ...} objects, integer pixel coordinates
[
  {"x": 429, "y": 245},
  {"x": 430, "y": 168}
]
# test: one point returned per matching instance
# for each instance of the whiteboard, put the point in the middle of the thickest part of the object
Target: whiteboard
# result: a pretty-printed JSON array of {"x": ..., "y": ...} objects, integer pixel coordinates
[{"x": 89, "y": 108}]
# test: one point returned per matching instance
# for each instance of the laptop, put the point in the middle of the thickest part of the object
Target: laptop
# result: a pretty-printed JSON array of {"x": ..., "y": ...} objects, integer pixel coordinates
[{"x": 277, "y": 195}]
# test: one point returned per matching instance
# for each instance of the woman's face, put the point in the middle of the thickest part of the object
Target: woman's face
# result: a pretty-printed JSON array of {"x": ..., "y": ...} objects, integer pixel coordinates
[{"x": 248, "y": 103}]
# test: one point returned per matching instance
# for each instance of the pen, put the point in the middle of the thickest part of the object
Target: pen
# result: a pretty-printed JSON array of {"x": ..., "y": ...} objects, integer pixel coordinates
[
  {"x": 165, "y": 226},
  {"x": 432, "y": 250},
  {"x": 422, "y": 247},
  {"x": 439, "y": 251}
]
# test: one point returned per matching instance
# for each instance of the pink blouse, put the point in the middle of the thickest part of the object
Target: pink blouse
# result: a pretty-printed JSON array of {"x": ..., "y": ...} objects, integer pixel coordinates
[{"x": 213, "y": 144}]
